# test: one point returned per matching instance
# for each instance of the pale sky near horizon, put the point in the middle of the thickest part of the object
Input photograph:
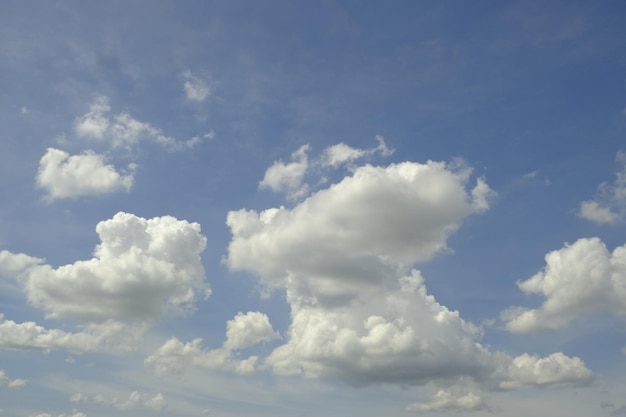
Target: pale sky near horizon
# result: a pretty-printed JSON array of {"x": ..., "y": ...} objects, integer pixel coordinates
[{"x": 333, "y": 208}]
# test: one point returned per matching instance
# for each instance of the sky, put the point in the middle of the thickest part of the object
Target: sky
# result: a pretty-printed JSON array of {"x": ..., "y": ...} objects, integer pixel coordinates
[{"x": 306, "y": 209}]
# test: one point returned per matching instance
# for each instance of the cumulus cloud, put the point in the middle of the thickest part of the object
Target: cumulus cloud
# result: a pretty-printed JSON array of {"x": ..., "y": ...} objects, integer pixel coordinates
[
  {"x": 243, "y": 331},
  {"x": 135, "y": 400},
  {"x": 74, "y": 413},
  {"x": 65, "y": 176},
  {"x": 196, "y": 89},
  {"x": 122, "y": 130},
  {"x": 344, "y": 258},
  {"x": 10, "y": 383},
  {"x": 609, "y": 205},
  {"x": 446, "y": 401},
  {"x": 141, "y": 270},
  {"x": 578, "y": 280},
  {"x": 555, "y": 370},
  {"x": 341, "y": 153},
  {"x": 287, "y": 178}
]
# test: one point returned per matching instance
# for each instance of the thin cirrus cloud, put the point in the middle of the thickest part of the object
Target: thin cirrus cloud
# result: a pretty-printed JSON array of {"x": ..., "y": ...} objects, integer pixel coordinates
[
  {"x": 87, "y": 174},
  {"x": 135, "y": 400},
  {"x": 609, "y": 205},
  {"x": 579, "y": 280}
]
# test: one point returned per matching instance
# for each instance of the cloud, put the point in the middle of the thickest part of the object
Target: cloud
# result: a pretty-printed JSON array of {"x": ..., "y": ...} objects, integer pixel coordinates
[
  {"x": 445, "y": 401},
  {"x": 74, "y": 413},
  {"x": 141, "y": 270},
  {"x": 341, "y": 153},
  {"x": 122, "y": 130},
  {"x": 281, "y": 177},
  {"x": 609, "y": 205},
  {"x": 578, "y": 280},
  {"x": 195, "y": 88},
  {"x": 344, "y": 256},
  {"x": 243, "y": 331},
  {"x": 65, "y": 176},
  {"x": 135, "y": 401},
  {"x": 10, "y": 383},
  {"x": 247, "y": 330},
  {"x": 555, "y": 370},
  {"x": 110, "y": 336}
]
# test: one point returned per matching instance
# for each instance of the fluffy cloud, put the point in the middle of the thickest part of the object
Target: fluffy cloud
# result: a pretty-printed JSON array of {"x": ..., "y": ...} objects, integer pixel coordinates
[
  {"x": 65, "y": 176},
  {"x": 609, "y": 205},
  {"x": 135, "y": 401},
  {"x": 141, "y": 270},
  {"x": 195, "y": 88},
  {"x": 11, "y": 383},
  {"x": 445, "y": 401},
  {"x": 341, "y": 153},
  {"x": 122, "y": 130},
  {"x": 343, "y": 256},
  {"x": 281, "y": 177},
  {"x": 578, "y": 280},
  {"x": 104, "y": 336},
  {"x": 74, "y": 413},
  {"x": 243, "y": 331},
  {"x": 554, "y": 370}
]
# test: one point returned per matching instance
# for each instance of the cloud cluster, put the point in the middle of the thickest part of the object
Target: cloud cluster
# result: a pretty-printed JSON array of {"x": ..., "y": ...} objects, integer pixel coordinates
[
  {"x": 65, "y": 176},
  {"x": 289, "y": 177},
  {"x": 343, "y": 256},
  {"x": 134, "y": 401},
  {"x": 579, "y": 280},
  {"x": 74, "y": 413},
  {"x": 446, "y": 401},
  {"x": 141, "y": 270},
  {"x": 555, "y": 370},
  {"x": 609, "y": 205},
  {"x": 241, "y": 332}
]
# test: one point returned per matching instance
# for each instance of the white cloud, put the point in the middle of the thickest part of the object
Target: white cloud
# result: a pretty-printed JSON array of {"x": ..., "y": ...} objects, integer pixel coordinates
[
  {"x": 554, "y": 370},
  {"x": 74, "y": 413},
  {"x": 578, "y": 280},
  {"x": 122, "y": 130},
  {"x": 445, "y": 401},
  {"x": 281, "y": 177},
  {"x": 65, "y": 176},
  {"x": 344, "y": 257},
  {"x": 135, "y": 400},
  {"x": 243, "y": 331},
  {"x": 141, "y": 270},
  {"x": 609, "y": 205},
  {"x": 247, "y": 330},
  {"x": 341, "y": 153},
  {"x": 196, "y": 89},
  {"x": 10, "y": 383}
]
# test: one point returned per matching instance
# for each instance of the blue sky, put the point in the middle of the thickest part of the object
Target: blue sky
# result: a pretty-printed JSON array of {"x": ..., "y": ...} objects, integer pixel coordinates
[{"x": 336, "y": 208}]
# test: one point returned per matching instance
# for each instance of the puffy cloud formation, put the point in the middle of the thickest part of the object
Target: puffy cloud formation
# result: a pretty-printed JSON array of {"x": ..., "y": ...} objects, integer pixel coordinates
[
  {"x": 554, "y": 370},
  {"x": 281, "y": 177},
  {"x": 195, "y": 88},
  {"x": 141, "y": 270},
  {"x": 122, "y": 130},
  {"x": 11, "y": 383},
  {"x": 609, "y": 205},
  {"x": 445, "y": 401},
  {"x": 135, "y": 401},
  {"x": 341, "y": 153},
  {"x": 243, "y": 331},
  {"x": 344, "y": 255},
  {"x": 578, "y": 280},
  {"x": 65, "y": 176},
  {"x": 247, "y": 330}
]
